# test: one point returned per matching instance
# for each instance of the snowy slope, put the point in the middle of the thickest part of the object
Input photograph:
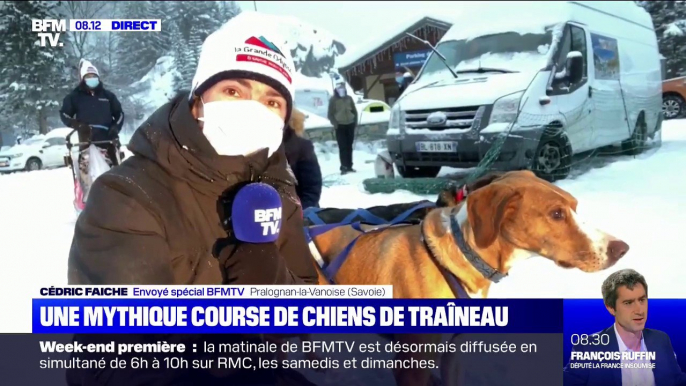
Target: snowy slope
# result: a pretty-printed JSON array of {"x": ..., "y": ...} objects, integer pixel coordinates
[
  {"x": 676, "y": 28},
  {"x": 157, "y": 89},
  {"x": 639, "y": 200}
]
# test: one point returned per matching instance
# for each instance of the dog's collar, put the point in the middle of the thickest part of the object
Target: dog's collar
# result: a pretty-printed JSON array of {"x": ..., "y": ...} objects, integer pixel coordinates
[
  {"x": 453, "y": 282},
  {"x": 486, "y": 270},
  {"x": 461, "y": 194}
]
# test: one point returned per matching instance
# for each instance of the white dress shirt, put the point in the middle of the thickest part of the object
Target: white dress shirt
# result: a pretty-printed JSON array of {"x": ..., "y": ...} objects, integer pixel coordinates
[{"x": 635, "y": 376}]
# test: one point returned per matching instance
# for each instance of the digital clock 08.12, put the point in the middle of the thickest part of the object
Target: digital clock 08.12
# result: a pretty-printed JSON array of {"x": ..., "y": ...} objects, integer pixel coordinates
[{"x": 87, "y": 25}]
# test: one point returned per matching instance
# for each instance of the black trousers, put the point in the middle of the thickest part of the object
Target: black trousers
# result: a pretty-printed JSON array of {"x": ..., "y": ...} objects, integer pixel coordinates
[{"x": 345, "y": 136}]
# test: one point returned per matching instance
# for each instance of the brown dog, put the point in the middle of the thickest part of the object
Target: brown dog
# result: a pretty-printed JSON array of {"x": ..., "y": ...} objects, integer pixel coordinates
[{"x": 513, "y": 217}]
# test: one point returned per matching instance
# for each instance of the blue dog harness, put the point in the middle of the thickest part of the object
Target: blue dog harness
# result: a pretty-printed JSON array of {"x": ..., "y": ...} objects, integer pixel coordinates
[
  {"x": 332, "y": 268},
  {"x": 367, "y": 217}
]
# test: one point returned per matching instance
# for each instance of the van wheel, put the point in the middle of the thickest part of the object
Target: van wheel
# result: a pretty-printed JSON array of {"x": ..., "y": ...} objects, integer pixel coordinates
[
  {"x": 33, "y": 164},
  {"x": 637, "y": 143},
  {"x": 553, "y": 158},
  {"x": 672, "y": 106},
  {"x": 419, "y": 171}
]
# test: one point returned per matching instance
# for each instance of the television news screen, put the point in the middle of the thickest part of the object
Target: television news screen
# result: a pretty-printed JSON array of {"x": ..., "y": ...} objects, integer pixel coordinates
[{"x": 474, "y": 197}]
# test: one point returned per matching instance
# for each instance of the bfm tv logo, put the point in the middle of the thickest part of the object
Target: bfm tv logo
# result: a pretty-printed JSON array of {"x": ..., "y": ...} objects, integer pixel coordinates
[
  {"x": 52, "y": 25},
  {"x": 269, "y": 219}
]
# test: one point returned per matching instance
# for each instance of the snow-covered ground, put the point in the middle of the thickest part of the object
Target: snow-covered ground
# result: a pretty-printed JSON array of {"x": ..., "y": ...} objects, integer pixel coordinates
[{"x": 639, "y": 200}]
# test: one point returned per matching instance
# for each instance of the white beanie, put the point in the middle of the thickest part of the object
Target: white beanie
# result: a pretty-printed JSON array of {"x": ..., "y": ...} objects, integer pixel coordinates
[
  {"x": 88, "y": 68},
  {"x": 246, "y": 48}
]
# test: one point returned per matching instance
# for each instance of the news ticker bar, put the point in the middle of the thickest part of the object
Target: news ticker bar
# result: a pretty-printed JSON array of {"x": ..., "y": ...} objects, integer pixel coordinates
[
  {"x": 169, "y": 316},
  {"x": 219, "y": 291},
  {"x": 102, "y": 25}
]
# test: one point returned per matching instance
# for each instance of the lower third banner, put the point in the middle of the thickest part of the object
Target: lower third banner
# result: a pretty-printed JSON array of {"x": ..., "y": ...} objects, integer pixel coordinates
[{"x": 291, "y": 316}]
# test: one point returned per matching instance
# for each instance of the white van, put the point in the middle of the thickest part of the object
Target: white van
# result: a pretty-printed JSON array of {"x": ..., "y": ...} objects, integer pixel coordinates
[{"x": 575, "y": 76}]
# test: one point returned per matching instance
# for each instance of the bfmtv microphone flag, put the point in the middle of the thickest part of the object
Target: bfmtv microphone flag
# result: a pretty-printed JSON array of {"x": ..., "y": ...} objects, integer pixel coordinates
[{"x": 256, "y": 214}]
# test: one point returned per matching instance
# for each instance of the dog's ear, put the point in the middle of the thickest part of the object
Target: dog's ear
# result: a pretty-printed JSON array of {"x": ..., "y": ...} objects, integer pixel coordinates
[
  {"x": 484, "y": 181},
  {"x": 448, "y": 197},
  {"x": 487, "y": 208}
]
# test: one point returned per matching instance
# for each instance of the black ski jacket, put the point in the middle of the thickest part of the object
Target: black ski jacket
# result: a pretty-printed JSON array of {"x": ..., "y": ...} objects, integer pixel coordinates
[{"x": 92, "y": 107}]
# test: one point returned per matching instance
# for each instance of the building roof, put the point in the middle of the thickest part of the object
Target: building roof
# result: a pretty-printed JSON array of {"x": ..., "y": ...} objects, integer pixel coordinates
[{"x": 386, "y": 39}]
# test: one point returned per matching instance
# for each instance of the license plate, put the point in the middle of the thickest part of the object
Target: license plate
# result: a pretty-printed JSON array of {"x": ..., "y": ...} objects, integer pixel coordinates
[
  {"x": 4, "y": 164},
  {"x": 436, "y": 147}
]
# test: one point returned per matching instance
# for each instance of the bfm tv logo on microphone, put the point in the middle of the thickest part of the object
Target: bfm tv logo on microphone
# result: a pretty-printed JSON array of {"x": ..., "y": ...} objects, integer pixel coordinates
[{"x": 269, "y": 219}]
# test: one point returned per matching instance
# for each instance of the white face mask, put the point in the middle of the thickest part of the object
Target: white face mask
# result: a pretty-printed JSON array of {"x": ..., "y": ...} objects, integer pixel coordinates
[{"x": 241, "y": 127}]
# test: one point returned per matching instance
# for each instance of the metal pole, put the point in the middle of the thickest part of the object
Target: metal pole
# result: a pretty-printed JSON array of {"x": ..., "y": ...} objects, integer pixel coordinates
[{"x": 255, "y": 4}]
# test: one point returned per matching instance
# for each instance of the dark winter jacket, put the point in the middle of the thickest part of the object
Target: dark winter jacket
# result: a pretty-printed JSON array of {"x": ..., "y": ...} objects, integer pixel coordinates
[
  {"x": 92, "y": 107},
  {"x": 342, "y": 110},
  {"x": 404, "y": 85},
  {"x": 303, "y": 161},
  {"x": 157, "y": 218}
]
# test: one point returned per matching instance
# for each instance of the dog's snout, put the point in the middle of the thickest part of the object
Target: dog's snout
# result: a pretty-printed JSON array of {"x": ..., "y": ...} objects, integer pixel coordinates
[{"x": 616, "y": 249}]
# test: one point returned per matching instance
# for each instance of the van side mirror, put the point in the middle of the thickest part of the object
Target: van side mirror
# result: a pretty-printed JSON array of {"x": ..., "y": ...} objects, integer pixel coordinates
[
  {"x": 46, "y": 145},
  {"x": 575, "y": 67}
]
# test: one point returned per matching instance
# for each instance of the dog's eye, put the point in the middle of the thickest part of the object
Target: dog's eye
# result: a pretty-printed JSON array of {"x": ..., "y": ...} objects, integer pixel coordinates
[{"x": 557, "y": 214}]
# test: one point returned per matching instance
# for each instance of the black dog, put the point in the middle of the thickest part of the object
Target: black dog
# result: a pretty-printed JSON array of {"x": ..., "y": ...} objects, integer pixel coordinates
[{"x": 451, "y": 196}]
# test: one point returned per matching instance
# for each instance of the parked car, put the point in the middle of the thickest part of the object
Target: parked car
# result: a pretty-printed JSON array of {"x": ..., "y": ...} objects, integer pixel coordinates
[
  {"x": 673, "y": 96},
  {"x": 580, "y": 78},
  {"x": 37, "y": 152}
]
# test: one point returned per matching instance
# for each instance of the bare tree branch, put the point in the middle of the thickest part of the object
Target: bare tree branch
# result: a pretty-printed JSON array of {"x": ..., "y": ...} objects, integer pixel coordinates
[{"x": 82, "y": 10}]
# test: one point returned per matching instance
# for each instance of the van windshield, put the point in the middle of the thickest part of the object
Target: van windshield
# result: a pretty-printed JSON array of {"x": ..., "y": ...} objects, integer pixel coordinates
[{"x": 501, "y": 52}]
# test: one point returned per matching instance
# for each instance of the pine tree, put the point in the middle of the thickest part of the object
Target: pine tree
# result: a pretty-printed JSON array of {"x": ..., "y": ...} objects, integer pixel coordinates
[
  {"x": 227, "y": 10},
  {"x": 164, "y": 11},
  {"x": 668, "y": 19},
  {"x": 34, "y": 79},
  {"x": 204, "y": 16},
  {"x": 193, "y": 49},
  {"x": 138, "y": 51},
  {"x": 179, "y": 54}
]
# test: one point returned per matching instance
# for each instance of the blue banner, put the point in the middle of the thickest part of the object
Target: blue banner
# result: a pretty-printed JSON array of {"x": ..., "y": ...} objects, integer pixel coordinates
[
  {"x": 411, "y": 59},
  {"x": 289, "y": 316},
  {"x": 588, "y": 316}
]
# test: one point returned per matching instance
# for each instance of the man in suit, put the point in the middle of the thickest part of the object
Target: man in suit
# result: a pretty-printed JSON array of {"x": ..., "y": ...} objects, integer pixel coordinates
[{"x": 625, "y": 294}]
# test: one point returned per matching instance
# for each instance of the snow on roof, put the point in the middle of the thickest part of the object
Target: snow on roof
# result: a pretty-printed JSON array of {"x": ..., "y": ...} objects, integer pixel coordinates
[
  {"x": 381, "y": 39},
  {"x": 627, "y": 10},
  {"x": 509, "y": 17}
]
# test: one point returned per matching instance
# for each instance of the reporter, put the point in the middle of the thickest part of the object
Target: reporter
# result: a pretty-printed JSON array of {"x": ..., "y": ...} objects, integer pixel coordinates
[{"x": 159, "y": 217}]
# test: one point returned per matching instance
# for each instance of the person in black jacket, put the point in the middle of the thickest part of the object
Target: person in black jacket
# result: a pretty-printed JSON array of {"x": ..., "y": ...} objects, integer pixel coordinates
[
  {"x": 160, "y": 218},
  {"x": 343, "y": 116},
  {"x": 93, "y": 111},
  {"x": 303, "y": 161}
]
